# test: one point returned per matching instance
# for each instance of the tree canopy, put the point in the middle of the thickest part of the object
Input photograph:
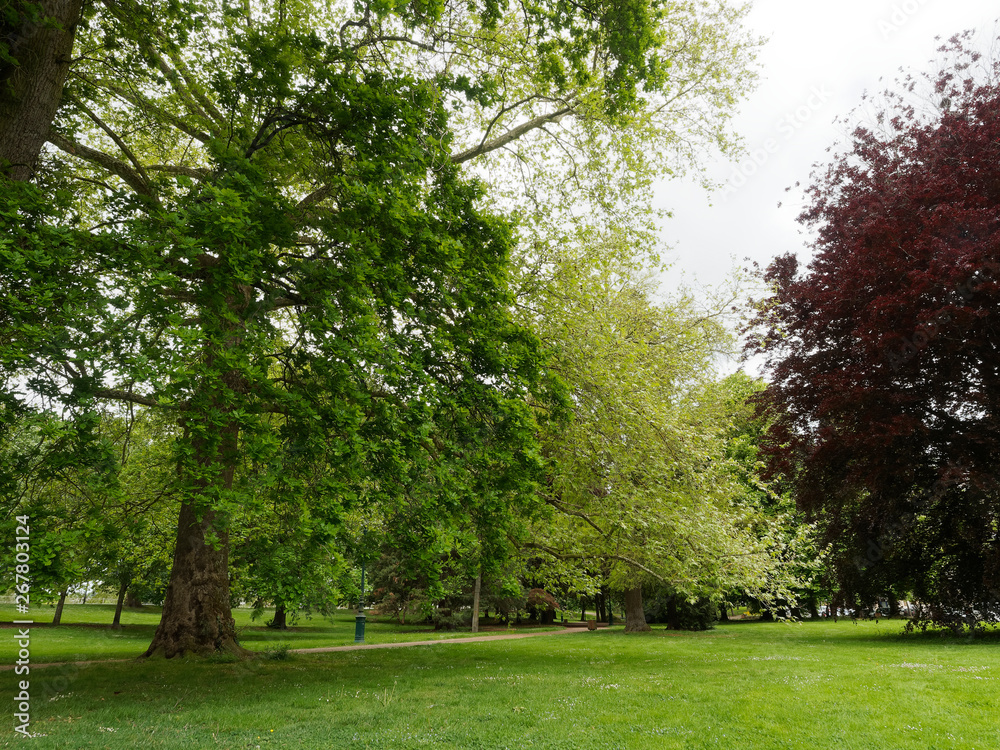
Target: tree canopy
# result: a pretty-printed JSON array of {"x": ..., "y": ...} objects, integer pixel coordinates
[{"x": 882, "y": 353}]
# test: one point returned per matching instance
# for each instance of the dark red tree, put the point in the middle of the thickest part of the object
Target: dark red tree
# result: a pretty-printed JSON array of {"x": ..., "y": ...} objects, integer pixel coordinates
[{"x": 883, "y": 354}]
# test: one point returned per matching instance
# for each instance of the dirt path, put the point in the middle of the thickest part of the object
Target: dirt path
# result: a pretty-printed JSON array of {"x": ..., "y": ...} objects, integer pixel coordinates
[{"x": 330, "y": 649}]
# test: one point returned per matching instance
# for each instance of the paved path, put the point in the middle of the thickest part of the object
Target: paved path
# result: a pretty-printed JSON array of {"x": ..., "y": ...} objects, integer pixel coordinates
[
  {"x": 473, "y": 639},
  {"x": 329, "y": 649}
]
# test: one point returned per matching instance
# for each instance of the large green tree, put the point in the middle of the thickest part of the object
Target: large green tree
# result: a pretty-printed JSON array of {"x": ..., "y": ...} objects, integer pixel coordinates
[
  {"x": 256, "y": 224},
  {"x": 640, "y": 484},
  {"x": 293, "y": 262}
]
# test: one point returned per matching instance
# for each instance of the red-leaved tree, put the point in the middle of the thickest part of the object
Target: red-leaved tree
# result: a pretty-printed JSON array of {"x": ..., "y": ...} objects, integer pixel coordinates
[{"x": 883, "y": 354}]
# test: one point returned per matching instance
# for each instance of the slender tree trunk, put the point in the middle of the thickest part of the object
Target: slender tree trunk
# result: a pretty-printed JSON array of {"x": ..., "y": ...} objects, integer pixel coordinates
[
  {"x": 723, "y": 613},
  {"x": 30, "y": 91},
  {"x": 583, "y": 609},
  {"x": 117, "y": 622},
  {"x": 57, "y": 618},
  {"x": 475, "y": 603},
  {"x": 280, "y": 621},
  {"x": 635, "y": 618}
]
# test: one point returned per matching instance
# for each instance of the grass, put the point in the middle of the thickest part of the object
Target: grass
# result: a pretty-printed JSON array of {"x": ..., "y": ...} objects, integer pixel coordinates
[
  {"x": 85, "y": 632},
  {"x": 756, "y": 685}
]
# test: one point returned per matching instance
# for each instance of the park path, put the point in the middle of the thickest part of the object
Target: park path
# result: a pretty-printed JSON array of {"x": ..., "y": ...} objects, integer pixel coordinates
[
  {"x": 330, "y": 649},
  {"x": 472, "y": 639}
]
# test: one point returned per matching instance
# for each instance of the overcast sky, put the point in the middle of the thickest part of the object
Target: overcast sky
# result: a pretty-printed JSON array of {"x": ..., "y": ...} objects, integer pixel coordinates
[{"x": 820, "y": 58}]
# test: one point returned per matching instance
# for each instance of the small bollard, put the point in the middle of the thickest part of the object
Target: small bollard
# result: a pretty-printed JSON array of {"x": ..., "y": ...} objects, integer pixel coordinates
[{"x": 359, "y": 628}]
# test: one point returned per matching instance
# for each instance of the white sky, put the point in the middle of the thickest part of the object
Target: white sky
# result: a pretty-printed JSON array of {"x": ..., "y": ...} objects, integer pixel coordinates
[{"x": 820, "y": 58}]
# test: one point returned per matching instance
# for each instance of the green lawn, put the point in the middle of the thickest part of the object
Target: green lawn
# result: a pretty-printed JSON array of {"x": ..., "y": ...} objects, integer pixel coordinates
[
  {"x": 85, "y": 632},
  {"x": 745, "y": 685}
]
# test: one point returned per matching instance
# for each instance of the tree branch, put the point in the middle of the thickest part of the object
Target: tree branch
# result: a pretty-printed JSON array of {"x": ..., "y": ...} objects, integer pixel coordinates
[
  {"x": 583, "y": 516},
  {"x": 119, "y": 395},
  {"x": 141, "y": 102},
  {"x": 113, "y": 165},
  {"x": 115, "y": 137},
  {"x": 195, "y": 173},
  {"x": 511, "y": 135}
]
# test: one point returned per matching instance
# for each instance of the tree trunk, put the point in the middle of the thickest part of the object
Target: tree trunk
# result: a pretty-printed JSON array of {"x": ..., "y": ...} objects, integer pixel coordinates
[
  {"x": 813, "y": 609},
  {"x": 673, "y": 621},
  {"x": 132, "y": 601},
  {"x": 197, "y": 614},
  {"x": 475, "y": 603},
  {"x": 59, "y": 607},
  {"x": 197, "y": 611},
  {"x": 30, "y": 91},
  {"x": 117, "y": 622},
  {"x": 280, "y": 621},
  {"x": 635, "y": 618},
  {"x": 723, "y": 613}
]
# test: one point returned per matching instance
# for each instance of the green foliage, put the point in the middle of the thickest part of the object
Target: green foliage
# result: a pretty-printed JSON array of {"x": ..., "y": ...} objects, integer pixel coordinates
[
  {"x": 640, "y": 486},
  {"x": 663, "y": 606}
]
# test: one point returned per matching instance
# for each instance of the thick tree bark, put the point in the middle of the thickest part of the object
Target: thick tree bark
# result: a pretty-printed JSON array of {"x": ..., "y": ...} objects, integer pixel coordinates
[
  {"x": 197, "y": 612},
  {"x": 635, "y": 618},
  {"x": 280, "y": 620},
  {"x": 57, "y": 618},
  {"x": 117, "y": 622},
  {"x": 30, "y": 92}
]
